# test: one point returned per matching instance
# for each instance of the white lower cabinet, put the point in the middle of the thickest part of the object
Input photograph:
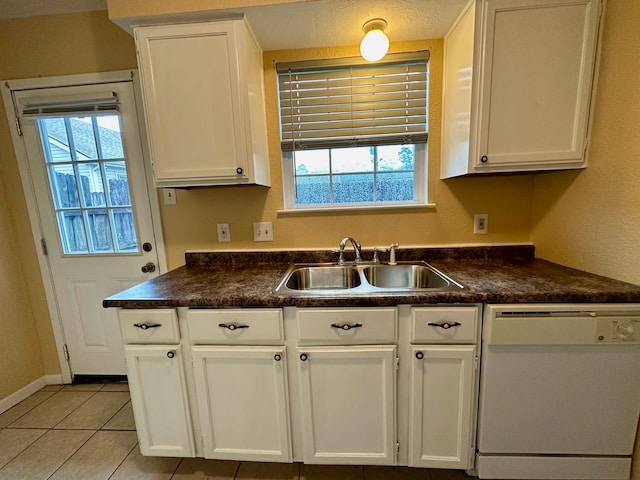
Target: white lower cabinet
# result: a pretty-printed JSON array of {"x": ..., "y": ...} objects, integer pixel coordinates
[
  {"x": 348, "y": 404},
  {"x": 441, "y": 397},
  {"x": 243, "y": 402},
  {"x": 159, "y": 400},
  {"x": 351, "y": 386}
]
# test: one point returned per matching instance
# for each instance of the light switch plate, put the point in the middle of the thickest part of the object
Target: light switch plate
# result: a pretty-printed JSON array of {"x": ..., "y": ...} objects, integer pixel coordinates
[
  {"x": 262, "y": 232},
  {"x": 224, "y": 233},
  {"x": 169, "y": 195},
  {"x": 481, "y": 223}
]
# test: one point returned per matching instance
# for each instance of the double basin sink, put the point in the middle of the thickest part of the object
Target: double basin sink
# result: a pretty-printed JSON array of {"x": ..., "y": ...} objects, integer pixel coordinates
[{"x": 333, "y": 279}]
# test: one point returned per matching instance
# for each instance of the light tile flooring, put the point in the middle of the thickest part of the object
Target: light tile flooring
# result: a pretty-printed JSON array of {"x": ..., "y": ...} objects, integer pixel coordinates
[{"x": 86, "y": 432}]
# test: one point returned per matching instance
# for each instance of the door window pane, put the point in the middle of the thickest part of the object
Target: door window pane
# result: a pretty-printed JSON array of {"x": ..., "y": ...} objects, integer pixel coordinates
[
  {"x": 56, "y": 141},
  {"x": 125, "y": 233},
  {"x": 117, "y": 183},
  {"x": 99, "y": 231},
  {"x": 72, "y": 231},
  {"x": 91, "y": 185},
  {"x": 87, "y": 169},
  {"x": 109, "y": 136},
  {"x": 62, "y": 179},
  {"x": 83, "y": 138}
]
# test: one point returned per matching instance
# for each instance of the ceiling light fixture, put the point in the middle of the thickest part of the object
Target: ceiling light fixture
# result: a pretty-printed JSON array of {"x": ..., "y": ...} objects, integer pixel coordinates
[{"x": 375, "y": 43}]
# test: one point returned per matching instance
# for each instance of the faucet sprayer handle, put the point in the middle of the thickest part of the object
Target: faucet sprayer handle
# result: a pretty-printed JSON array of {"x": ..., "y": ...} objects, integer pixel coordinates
[{"x": 392, "y": 253}]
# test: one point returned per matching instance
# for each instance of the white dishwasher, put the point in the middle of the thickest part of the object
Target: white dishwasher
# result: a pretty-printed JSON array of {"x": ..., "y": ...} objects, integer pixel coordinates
[{"x": 559, "y": 391}]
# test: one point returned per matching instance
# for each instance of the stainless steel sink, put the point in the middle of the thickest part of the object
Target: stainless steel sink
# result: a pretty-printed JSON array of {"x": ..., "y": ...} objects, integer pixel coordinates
[
  {"x": 323, "y": 278},
  {"x": 404, "y": 276},
  {"x": 365, "y": 279}
]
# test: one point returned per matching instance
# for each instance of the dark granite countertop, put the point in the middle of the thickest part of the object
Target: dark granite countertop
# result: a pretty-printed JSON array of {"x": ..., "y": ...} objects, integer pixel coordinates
[{"x": 508, "y": 274}]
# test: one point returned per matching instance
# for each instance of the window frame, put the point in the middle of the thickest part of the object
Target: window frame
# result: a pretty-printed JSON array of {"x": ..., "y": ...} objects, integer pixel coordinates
[{"x": 420, "y": 188}]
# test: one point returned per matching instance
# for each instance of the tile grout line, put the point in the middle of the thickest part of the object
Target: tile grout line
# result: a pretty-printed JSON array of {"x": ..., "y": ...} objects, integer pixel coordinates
[
  {"x": 36, "y": 405},
  {"x": 116, "y": 413},
  {"x": 122, "y": 461},
  {"x": 26, "y": 447},
  {"x": 71, "y": 456},
  {"x": 175, "y": 470},
  {"x": 235, "y": 475},
  {"x": 72, "y": 411}
]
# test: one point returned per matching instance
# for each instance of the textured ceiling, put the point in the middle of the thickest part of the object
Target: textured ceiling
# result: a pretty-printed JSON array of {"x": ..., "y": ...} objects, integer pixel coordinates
[
  {"x": 315, "y": 23},
  {"x": 324, "y": 23}
]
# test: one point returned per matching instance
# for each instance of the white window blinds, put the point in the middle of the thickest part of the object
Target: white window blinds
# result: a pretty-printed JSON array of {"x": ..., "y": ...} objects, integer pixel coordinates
[
  {"x": 324, "y": 106},
  {"x": 69, "y": 105}
]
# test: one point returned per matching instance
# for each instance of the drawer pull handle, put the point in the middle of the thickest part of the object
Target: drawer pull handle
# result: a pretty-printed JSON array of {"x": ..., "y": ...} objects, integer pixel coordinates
[
  {"x": 277, "y": 357},
  {"x": 445, "y": 325},
  {"x": 171, "y": 353},
  {"x": 303, "y": 357},
  {"x": 232, "y": 326},
  {"x": 419, "y": 355},
  {"x": 346, "y": 326},
  {"x": 144, "y": 326}
]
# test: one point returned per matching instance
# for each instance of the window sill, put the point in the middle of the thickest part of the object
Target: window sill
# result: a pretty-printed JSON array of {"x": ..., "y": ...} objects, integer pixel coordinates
[{"x": 353, "y": 208}]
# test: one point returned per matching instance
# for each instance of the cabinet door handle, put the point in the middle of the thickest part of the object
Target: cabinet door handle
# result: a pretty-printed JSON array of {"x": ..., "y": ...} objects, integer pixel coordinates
[
  {"x": 445, "y": 325},
  {"x": 277, "y": 357},
  {"x": 171, "y": 353},
  {"x": 419, "y": 355},
  {"x": 346, "y": 326},
  {"x": 232, "y": 326},
  {"x": 303, "y": 357},
  {"x": 484, "y": 159},
  {"x": 239, "y": 170},
  {"x": 144, "y": 326}
]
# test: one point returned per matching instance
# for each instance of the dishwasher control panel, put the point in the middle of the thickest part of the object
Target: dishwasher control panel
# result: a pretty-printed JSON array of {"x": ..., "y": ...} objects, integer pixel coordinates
[{"x": 618, "y": 329}]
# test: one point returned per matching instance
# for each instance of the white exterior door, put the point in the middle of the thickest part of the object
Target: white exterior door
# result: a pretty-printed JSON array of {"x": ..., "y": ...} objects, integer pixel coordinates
[
  {"x": 86, "y": 173},
  {"x": 441, "y": 409},
  {"x": 348, "y": 404},
  {"x": 242, "y": 398}
]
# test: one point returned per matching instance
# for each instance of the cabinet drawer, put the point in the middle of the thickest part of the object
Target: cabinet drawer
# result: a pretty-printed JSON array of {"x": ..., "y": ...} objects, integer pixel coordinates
[
  {"x": 443, "y": 324},
  {"x": 243, "y": 326},
  {"x": 149, "y": 326},
  {"x": 346, "y": 326}
]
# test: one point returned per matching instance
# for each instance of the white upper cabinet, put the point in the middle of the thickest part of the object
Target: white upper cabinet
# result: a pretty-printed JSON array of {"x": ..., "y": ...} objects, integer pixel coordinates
[
  {"x": 518, "y": 85},
  {"x": 203, "y": 98}
]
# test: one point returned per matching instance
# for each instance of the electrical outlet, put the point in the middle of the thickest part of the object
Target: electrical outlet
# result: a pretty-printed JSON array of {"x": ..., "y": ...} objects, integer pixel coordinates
[
  {"x": 224, "y": 234},
  {"x": 262, "y": 232},
  {"x": 169, "y": 195},
  {"x": 481, "y": 223}
]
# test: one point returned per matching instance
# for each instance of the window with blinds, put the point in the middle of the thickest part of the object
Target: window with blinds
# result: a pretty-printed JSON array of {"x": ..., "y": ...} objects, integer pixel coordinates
[{"x": 354, "y": 133}]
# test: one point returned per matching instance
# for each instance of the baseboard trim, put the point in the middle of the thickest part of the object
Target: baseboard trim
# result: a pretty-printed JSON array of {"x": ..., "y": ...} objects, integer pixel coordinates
[
  {"x": 7, "y": 402},
  {"x": 54, "y": 379}
]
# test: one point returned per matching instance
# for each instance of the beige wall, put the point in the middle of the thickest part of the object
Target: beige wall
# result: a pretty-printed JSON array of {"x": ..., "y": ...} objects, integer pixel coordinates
[
  {"x": 22, "y": 358},
  {"x": 591, "y": 219},
  {"x": 191, "y": 224},
  {"x": 39, "y": 46}
]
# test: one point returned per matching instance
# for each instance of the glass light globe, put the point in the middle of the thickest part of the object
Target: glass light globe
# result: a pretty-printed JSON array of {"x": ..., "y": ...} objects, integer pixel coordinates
[{"x": 374, "y": 45}]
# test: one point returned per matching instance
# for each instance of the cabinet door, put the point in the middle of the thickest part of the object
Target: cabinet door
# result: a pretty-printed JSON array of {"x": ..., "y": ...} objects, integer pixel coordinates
[
  {"x": 159, "y": 400},
  {"x": 242, "y": 400},
  {"x": 348, "y": 404},
  {"x": 441, "y": 406},
  {"x": 536, "y": 84},
  {"x": 190, "y": 83}
]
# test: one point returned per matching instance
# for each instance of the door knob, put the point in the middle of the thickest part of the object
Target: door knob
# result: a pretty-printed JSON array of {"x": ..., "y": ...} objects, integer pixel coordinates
[{"x": 148, "y": 268}]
